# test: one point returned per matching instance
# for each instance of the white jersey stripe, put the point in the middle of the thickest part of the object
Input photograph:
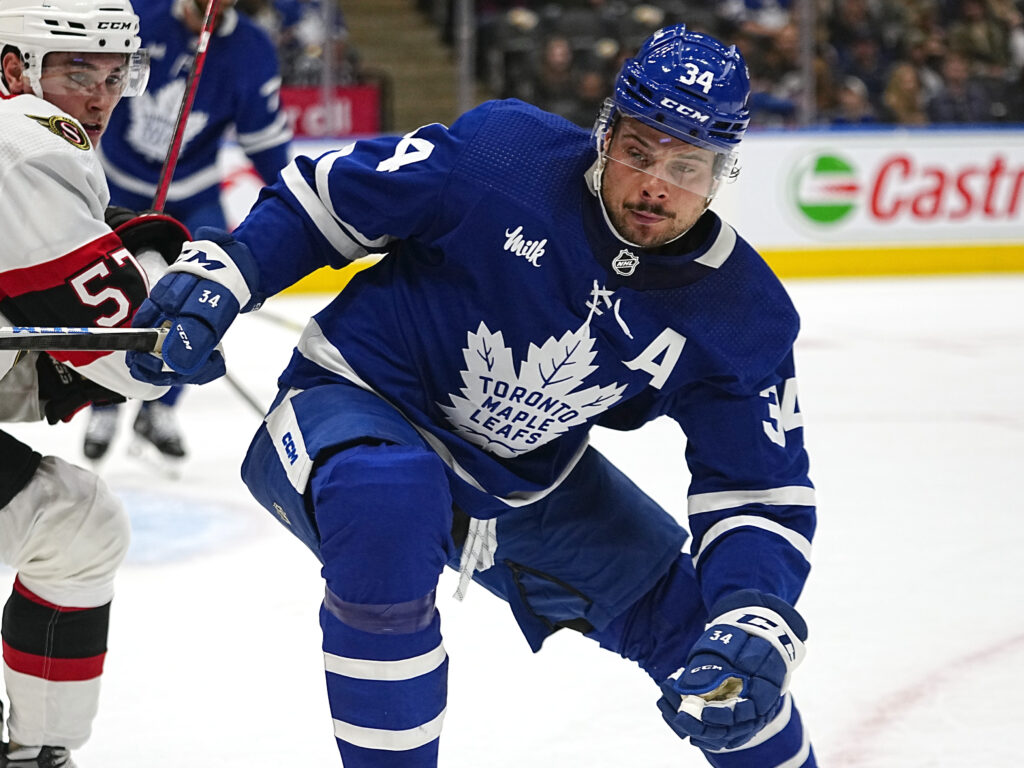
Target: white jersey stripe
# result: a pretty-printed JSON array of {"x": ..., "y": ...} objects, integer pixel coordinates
[
  {"x": 323, "y": 190},
  {"x": 274, "y": 134},
  {"x": 391, "y": 741},
  {"x": 800, "y": 543},
  {"x": 401, "y": 669},
  {"x": 720, "y": 249},
  {"x": 712, "y": 502},
  {"x": 178, "y": 189},
  {"x": 319, "y": 215}
]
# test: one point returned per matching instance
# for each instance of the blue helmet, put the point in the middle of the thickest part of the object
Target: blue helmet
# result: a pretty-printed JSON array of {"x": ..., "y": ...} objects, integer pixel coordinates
[{"x": 688, "y": 85}]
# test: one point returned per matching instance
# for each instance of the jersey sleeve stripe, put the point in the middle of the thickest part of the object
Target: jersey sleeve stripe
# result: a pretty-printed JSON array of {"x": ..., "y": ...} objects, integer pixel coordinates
[
  {"x": 273, "y": 135},
  {"x": 320, "y": 213},
  {"x": 799, "y": 495},
  {"x": 402, "y": 669},
  {"x": 719, "y": 529},
  {"x": 323, "y": 187}
]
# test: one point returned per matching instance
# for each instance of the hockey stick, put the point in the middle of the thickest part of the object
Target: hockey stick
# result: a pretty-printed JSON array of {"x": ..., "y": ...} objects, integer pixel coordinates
[
  {"x": 69, "y": 338},
  {"x": 171, "y": 159}
]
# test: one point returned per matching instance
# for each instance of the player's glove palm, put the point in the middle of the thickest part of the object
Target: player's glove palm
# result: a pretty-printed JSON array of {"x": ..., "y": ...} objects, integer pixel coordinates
[
  {"x": 198, "y": 298},
  {"x": 737, "y": 672}
]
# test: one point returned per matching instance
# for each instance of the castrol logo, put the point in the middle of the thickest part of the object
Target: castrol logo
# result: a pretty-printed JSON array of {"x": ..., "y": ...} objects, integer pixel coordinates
[{"x": 829, "y": 190}]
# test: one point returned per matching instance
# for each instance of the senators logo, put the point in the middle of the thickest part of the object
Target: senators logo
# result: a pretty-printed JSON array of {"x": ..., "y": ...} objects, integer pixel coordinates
[{"x": 66, "y": 128}]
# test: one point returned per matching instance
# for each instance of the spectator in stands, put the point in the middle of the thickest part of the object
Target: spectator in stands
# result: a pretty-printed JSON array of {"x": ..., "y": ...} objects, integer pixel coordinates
[
  {"x": 1015, "y": 100},
  {"x": 313, "y": 43},
  {"x": 593, "y": 87},
  {"x": 981, "y": 38},
  {"x": 962, "y": 99},
  {"x": 853, "y": 104},
  {"x": 776, "y": 90},
  {"x": 902, "y": 101},
  {"x": 865, "y": 60},
  {"x": 925, "y": 51},
  {"x": 850, "y": 21},
  {"x": 552, "y": 86},
  {"x": 760, "y": 18}
]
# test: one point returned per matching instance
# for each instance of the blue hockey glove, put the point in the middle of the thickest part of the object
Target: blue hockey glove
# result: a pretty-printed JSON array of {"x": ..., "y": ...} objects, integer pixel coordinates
[
  {"x": 198, "y": 299},
  {"x": 737, "y": 673}
]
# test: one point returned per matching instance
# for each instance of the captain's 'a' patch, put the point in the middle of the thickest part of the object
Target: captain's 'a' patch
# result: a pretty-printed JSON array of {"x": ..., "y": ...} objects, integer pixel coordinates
[{"x": 66, "y": 128}]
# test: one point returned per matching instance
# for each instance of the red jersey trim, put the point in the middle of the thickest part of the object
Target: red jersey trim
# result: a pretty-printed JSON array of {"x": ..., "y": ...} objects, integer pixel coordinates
[{"x": 53, "y": 273}]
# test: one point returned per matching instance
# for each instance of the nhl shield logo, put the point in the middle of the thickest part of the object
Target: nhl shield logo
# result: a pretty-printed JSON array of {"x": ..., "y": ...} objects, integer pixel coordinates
[{"x": 625, "y": 263}]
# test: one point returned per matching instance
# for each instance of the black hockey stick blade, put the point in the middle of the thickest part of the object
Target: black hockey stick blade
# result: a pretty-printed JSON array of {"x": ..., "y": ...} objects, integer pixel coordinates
[{"x": 64, "y": 338}]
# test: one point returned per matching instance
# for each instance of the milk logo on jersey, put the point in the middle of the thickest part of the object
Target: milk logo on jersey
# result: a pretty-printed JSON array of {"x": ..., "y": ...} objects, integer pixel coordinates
[
  {"x": 531, "y": 250},
  {"x": 152, "y": 117},
  {"x": 508, "y": 412}
]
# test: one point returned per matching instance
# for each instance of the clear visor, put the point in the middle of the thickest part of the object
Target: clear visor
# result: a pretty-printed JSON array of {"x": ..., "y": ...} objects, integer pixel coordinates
[
  {"x": 683, "y": 164},
  {"x": 111, "y": 75}
]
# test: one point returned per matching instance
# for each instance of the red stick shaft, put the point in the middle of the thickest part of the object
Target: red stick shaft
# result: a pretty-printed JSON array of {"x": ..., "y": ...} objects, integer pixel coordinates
[{"x": 171, "y": 160}]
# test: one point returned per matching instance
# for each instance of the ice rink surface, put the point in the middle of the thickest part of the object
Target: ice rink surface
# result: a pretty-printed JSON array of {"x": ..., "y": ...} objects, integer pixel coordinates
[{"x": 911, "y": 391}]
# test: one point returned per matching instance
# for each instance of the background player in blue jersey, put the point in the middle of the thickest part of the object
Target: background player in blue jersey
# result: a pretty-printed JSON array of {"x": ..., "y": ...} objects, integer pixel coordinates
[
  {"x": 538, "y": 280},
  {"x": 240, "y": 90}
]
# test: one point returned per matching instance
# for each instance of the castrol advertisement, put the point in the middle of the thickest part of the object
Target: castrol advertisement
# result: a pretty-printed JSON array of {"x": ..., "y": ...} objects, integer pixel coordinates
[{"x": 881, "y": 201}]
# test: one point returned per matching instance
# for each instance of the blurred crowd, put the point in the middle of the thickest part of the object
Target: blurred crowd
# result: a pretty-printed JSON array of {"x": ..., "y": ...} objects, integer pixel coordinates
[
  {"x": 907, "y": 62},
  {"x": 312, "y": 40}
]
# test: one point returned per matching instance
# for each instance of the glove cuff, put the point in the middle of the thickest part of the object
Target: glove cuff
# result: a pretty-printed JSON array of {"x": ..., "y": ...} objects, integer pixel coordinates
[
  {"x": 235, "y": 268},
  {"x": 768, "y": 617}
]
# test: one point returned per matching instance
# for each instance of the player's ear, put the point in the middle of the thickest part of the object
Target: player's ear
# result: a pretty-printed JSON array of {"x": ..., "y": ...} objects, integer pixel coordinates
[{"x": 12, "y": 70}]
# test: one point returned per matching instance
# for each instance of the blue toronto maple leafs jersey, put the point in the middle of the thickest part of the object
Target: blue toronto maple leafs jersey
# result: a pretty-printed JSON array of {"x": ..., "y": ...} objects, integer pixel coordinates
[
  {"x": 239, "y": 87},
  {"x": 506, "y": 319}
]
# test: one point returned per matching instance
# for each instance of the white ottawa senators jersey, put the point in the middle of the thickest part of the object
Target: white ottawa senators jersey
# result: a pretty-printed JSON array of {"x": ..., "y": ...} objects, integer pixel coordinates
[{"x": 60, "y": 263}]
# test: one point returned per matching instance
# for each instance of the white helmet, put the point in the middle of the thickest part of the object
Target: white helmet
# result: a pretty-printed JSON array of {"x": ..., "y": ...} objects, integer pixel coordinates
[{"x": 39, "y": 27}]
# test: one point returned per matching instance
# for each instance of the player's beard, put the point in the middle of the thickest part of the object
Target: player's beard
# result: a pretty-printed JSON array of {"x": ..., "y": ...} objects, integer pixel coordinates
[{"x": 650, "y": 236}]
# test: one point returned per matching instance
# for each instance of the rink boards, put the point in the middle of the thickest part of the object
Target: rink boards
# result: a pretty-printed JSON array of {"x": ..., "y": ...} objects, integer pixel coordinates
[{"x": 835, "y": 203}]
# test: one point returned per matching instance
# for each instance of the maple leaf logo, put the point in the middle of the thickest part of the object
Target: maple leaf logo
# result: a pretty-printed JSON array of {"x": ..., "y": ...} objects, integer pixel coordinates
[
  {"x": 508, "y": 412},
  {"x": 152, "y": 119}
]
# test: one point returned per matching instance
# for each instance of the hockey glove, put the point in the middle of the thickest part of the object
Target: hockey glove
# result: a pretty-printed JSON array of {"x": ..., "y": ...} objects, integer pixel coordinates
[
  {"x": 737, "y": 673},
  {"x": 198, "y": 299},
  {"x": 63, "y": 392},
  {"x": 147, "y": 231}
]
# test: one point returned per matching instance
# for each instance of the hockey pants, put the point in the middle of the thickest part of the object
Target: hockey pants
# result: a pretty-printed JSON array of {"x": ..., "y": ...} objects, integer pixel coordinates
[
  {"x": 384, "y": 515},
  {"x": 66, "y": 534}
]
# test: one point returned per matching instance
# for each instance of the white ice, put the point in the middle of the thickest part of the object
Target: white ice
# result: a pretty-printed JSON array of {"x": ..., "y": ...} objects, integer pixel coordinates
[{"x": 911, "y": 391}]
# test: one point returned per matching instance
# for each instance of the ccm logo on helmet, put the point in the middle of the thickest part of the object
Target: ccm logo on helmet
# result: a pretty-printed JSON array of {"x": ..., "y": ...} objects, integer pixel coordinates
[
  {"x": 685, "y": 110},
  {"x": 115, "y": 25}
]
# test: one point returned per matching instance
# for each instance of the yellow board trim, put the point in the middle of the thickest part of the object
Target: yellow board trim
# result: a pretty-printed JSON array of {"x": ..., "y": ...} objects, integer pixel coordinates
[
  {"x": 833, "y": 262},
  {"x": 328, "y": 280},
  {"x": 897, "y": 260}
]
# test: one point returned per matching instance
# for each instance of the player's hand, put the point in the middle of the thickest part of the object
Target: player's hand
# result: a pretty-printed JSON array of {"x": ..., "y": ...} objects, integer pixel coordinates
[
  {"x": 198, "y": 298},
  {"x": 737, "y": 672},
  {"x": 142, "y": 231},
  {"x": 63, "y": 392}
]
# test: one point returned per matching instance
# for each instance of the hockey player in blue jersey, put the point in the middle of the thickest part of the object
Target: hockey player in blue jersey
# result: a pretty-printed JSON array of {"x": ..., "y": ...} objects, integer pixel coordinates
[
  {"x": 240, "y": 90},
  {"x": 538, "y": 280}
]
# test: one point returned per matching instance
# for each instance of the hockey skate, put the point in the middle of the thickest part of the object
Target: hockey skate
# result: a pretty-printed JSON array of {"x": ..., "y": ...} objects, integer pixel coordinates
[
  {"x": 158, "y": 439},
  {"x": 36, "y": 757},
  {"x": 99, "y": 432}
]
